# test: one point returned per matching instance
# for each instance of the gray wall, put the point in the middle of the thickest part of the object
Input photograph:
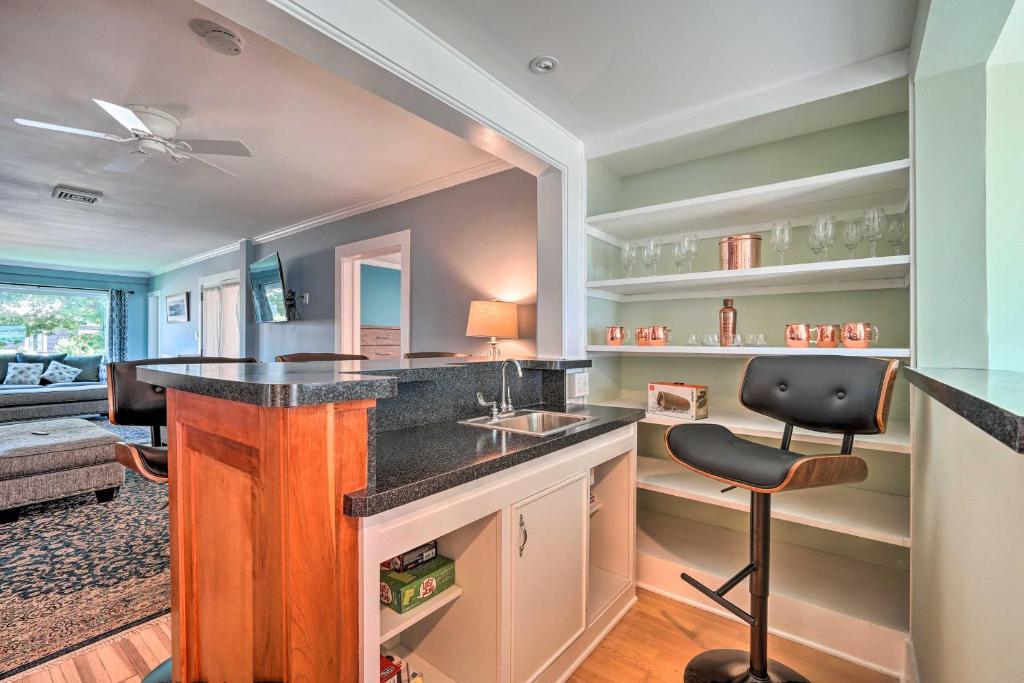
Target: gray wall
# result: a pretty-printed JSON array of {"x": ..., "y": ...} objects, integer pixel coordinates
[{"x": 477, "y": 240}]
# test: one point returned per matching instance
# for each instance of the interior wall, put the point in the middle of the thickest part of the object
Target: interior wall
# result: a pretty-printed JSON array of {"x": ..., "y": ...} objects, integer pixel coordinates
[
  {"x": 966, "y": 555},
  {"x": 137, "y": 327},
  {"x": 477, "y": 240},
  {"x": 380, "y": 296}
]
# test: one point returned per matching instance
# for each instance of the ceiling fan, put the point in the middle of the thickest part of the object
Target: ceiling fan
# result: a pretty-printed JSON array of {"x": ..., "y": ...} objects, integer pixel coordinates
[{"x": 152, "y": 131}]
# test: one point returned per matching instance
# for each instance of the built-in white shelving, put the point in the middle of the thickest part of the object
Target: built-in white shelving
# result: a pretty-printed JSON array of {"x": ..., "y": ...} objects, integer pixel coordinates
[
  {"x": 880, "y": 272},
  {"x": 392, "y": 623},
  {"x": 842, "y": 193},
  {"x": 416, "y": 663},
  {"x": 844, "y": 509},
  {"x": 739, "y": 420},
  {"x": 602, "y": 589},
  {"x": 863, "y": 590},
  {"x": 744, "y": 351}
]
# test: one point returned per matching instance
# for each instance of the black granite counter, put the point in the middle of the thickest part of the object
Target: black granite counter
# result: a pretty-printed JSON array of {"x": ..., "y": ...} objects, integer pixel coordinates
[
  {"x": 416, "y": 462},
  {"x": 992, "y": 400}
]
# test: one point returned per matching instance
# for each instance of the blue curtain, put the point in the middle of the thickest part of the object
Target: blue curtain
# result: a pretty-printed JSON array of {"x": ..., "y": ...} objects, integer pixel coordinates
[{"x": 117, "y": 325}]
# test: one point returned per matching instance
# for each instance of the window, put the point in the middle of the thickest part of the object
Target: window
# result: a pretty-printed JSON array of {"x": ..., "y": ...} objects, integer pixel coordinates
[{"x": 35, "y": 320}]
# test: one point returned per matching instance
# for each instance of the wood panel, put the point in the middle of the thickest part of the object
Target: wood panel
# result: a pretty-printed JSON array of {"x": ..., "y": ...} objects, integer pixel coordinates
[
  {"x": 264, "y": 562},
  {"x": 380, "y": 336}
]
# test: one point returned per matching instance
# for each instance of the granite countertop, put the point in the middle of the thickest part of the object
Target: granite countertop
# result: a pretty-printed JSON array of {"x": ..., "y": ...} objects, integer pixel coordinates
[
  {"x": 992, "y": 400},
  {"x": 417, "y": 462},
  {"x": 283, "y": 385}
]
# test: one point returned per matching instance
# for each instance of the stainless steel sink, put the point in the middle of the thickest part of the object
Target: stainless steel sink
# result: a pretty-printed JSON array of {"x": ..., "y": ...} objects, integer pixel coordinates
[{"x": 532, "y": 422}]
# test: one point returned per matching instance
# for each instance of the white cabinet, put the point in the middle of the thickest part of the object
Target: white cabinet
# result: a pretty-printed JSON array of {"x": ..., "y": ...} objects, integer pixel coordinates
[{"x": 549, "y": 564}]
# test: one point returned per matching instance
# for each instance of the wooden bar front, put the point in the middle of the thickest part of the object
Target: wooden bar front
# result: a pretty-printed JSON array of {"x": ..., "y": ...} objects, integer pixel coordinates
[{"x": 264, "y": 563}]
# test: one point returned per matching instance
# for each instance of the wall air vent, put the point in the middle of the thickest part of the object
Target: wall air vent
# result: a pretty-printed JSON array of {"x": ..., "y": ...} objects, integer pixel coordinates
[{"x": 76, "y": 195}]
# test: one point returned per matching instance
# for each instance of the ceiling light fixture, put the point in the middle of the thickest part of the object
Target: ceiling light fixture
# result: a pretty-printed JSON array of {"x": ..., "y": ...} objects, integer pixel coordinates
[{"x": 543, "y": 64}]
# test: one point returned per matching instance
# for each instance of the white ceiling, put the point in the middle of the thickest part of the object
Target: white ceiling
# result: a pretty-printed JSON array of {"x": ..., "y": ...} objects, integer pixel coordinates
[
  {"x": 623, "y": 62},
  {"x": 319, "y": 143}
]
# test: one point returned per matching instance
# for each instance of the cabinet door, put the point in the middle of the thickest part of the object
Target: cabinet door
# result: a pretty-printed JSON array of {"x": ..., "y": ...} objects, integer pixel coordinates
[{"x": 549, "y": 560}]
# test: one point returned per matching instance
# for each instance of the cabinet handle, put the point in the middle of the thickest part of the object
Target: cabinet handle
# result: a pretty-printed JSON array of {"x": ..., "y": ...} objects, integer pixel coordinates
[{"x": 522, "y": 534}]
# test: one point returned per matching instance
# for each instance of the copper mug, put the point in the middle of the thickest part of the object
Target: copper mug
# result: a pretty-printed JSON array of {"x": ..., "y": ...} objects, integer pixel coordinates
[
  {"x": 800, "y": 335},
  {"x": 659, "y": 335},
  {"x": 827, "y": 335},
  {"x": 616, "y": 335},
  {"x": 643, "y": 336},
  {"x": 859, "y": 335}
]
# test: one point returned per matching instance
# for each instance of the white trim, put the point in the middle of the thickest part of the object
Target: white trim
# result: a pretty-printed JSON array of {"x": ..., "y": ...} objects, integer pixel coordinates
[
  {"x": 911, "y": 673},
  {"x": 52, "y": 289},
  {"x": 597, "y": 233},
  {"x": 153, "y": 344},
  {"x": 74, "y": 269},
  {"x": 220, "y": 278},
  {"x": 405, "y": 194},
  {"x": 210, "y": 281},
  {"x": 378, "y": 263},
  {"x": 347, "y": 284}
]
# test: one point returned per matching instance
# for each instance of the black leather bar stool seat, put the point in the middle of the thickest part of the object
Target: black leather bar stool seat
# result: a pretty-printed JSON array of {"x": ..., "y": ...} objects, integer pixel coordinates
[{"x": 835, "y": 394}]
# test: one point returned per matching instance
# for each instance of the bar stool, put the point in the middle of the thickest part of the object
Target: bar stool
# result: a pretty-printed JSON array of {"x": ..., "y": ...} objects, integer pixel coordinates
[
  {"x": 835, "y": 394},
  {"x": 135, "y": 403}
]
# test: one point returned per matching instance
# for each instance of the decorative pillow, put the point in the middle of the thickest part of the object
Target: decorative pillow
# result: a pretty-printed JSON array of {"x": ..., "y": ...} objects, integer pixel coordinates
[
  {"x": 24, "y": 373},
  {"x": 45, "y": 359},
  {"x": 4, "y": 361},
  {"x": 89, "y": 365},
  {"x": 58, "y": 372}
]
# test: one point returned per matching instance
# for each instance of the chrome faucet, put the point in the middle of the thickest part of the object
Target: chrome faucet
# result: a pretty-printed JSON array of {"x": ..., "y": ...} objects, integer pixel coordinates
[{"x": 503, "y": 406}]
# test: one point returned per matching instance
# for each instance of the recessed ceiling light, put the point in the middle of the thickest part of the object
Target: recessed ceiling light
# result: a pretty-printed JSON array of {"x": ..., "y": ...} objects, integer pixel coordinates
[{"x": 543, "y": 65}]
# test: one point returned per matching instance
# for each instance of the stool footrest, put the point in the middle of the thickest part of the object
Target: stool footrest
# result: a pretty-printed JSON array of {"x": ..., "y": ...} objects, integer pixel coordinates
[{"x": 717, "y": 596}]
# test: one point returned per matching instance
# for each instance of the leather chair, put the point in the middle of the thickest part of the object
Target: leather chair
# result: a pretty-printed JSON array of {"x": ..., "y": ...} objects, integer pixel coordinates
[
  {"x": 136, "y": 403},
  {"x": 437, "y": 354},
  {"x": 835, "y": 394},
  {"x": 300, "y": 357}
]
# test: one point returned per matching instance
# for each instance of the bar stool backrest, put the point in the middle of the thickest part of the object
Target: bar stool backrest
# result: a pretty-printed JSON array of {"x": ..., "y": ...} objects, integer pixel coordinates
[
  {"x": 836, "y": 394},
  {"x": 136, "y": 403},
  {"x": 304, "y": 357}
]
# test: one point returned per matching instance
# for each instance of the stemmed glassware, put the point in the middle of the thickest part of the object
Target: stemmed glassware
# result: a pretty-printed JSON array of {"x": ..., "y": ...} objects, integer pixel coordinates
[
  {"x": 652, "y": 253},
  {"x": 814, "y": 243},
  {"x": 896, "y": 232},
  {"x": 850, "y": 234},
  {"x": 779, "y": 237},
  {"x": 824, "y": 234},
  {"x": 684, "y": 251},
  {"x": 874, "y": 228},
  {"x": 629, "y": 255}
]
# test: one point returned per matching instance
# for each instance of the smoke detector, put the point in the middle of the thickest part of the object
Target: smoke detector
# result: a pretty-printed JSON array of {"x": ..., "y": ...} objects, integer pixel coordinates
[
  {"x": 543, "y": 64},
  {"x": 217, "y": 38},
  {"x": 76, "y": 195}
]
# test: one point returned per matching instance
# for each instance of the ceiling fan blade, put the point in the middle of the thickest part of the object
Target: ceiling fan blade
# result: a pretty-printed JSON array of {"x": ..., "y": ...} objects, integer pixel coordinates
[
  {"x": 232, "y": 148},
  {"x": 67, "y": 129},
  {"x": 210, "y": 163},
  {"x": 127, "y": 163},
  {"x": 123, "y": 115}
]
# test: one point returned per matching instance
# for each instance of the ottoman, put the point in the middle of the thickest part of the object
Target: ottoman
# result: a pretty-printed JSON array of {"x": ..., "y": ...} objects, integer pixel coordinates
[{"x": 51, "y": 459}]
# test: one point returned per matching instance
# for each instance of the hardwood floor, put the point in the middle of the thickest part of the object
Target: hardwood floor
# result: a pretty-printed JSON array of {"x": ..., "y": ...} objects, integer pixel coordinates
[{"x": 651, "y": 644}]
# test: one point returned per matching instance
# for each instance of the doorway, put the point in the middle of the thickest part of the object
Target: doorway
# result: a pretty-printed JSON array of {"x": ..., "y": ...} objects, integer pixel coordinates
[
  {"x": 220, "y": 325},
  {"x": 372, "y": 296}
]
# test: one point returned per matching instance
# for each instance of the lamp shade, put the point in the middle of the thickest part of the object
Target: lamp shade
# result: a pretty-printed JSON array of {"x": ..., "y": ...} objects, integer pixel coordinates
[{"x": 498, "y": 319}]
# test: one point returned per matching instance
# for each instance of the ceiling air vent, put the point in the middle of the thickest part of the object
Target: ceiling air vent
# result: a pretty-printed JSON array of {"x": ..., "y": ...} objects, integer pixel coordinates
[{"x": 76, "y": 195}]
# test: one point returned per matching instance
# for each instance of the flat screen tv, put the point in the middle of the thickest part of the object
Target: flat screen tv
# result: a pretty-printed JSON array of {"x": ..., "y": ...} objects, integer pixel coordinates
[{"x": 266, "y": 281}]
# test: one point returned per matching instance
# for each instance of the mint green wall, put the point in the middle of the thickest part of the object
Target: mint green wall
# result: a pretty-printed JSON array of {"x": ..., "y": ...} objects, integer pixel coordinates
[
  {"x": 604, "y": 189},
  {"x": 1004, "y": 184}
]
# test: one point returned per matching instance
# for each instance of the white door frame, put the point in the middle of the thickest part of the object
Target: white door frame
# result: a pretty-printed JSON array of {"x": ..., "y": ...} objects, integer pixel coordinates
[
  {"x": 346, "y": 287},
  {"x": 153, "y": 299},
  {"x": 228, "y": 276}
]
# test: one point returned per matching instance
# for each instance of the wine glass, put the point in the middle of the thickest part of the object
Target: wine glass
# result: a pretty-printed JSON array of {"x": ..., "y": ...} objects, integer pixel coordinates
[
  {"x": 814, "y": 243},
  {"x": 779, "y": 238},
  {"x": 824, "y": 231},
  {"x": 896, "y": 232},
  {"x": 850, "y": 234},
  {"x": 874, "y": 228},
  {"x": 652, "y": 254},
  {"x": 629, "y": 254},
  {"x": 685, "y": 250}
]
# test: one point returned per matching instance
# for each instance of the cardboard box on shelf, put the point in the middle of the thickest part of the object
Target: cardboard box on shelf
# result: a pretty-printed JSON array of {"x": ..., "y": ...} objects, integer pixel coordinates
[
  {"x": 402, "y": 591},
  {"x": 678, "y": 399},
  {"x": 411, "y": 558}
]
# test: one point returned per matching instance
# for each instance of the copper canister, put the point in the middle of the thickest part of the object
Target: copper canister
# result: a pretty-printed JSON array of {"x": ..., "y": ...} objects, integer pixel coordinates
[{"x": 739, "y": 251}]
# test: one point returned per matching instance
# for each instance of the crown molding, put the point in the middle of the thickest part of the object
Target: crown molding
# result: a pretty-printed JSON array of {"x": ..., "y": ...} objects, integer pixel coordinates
[
  {"x": 434, "y": 185},
  {"x": 73, "y": 269}
]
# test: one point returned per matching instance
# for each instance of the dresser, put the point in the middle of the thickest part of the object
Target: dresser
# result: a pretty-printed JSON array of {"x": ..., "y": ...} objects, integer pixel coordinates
[{"x": 380, "y": 342}]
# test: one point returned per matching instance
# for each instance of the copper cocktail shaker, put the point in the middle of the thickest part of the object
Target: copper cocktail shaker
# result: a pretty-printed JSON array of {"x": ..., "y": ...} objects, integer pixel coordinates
[{"x": 726, "y": 323}]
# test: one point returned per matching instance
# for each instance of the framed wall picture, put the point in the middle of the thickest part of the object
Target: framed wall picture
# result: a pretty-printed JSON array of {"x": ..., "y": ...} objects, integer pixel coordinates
[{"x": 177, "y": 308}]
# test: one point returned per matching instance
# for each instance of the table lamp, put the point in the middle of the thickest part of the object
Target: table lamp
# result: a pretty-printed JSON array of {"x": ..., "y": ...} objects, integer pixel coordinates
[{"x": 493, "y": 319}]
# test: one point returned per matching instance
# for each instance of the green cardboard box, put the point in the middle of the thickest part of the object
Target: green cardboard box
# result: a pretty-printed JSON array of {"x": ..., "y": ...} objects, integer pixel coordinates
[{"x": 401, "y": 591}]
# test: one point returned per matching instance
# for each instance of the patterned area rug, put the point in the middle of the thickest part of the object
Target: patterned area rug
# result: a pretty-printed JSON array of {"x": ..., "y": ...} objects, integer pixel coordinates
[{"x": 75, "y": 571}]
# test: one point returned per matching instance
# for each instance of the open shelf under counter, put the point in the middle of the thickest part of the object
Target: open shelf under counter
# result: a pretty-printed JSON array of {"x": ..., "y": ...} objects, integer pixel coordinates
[
  {"x": 416, "y": 663},
  {"x": 393, "y": 623},
  {"x": 850, "y": 587},
  {"x": 857, "y": 512},
  {"x": 744, "y": 351},
  {"x": 739, "y": 420},
  {"x": 880, "y": 272},
  {"x": 842, "y": 193}
]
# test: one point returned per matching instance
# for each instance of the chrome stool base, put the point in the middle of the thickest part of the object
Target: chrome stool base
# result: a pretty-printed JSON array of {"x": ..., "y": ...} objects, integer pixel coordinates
[{"x": 733, "y": 666}]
